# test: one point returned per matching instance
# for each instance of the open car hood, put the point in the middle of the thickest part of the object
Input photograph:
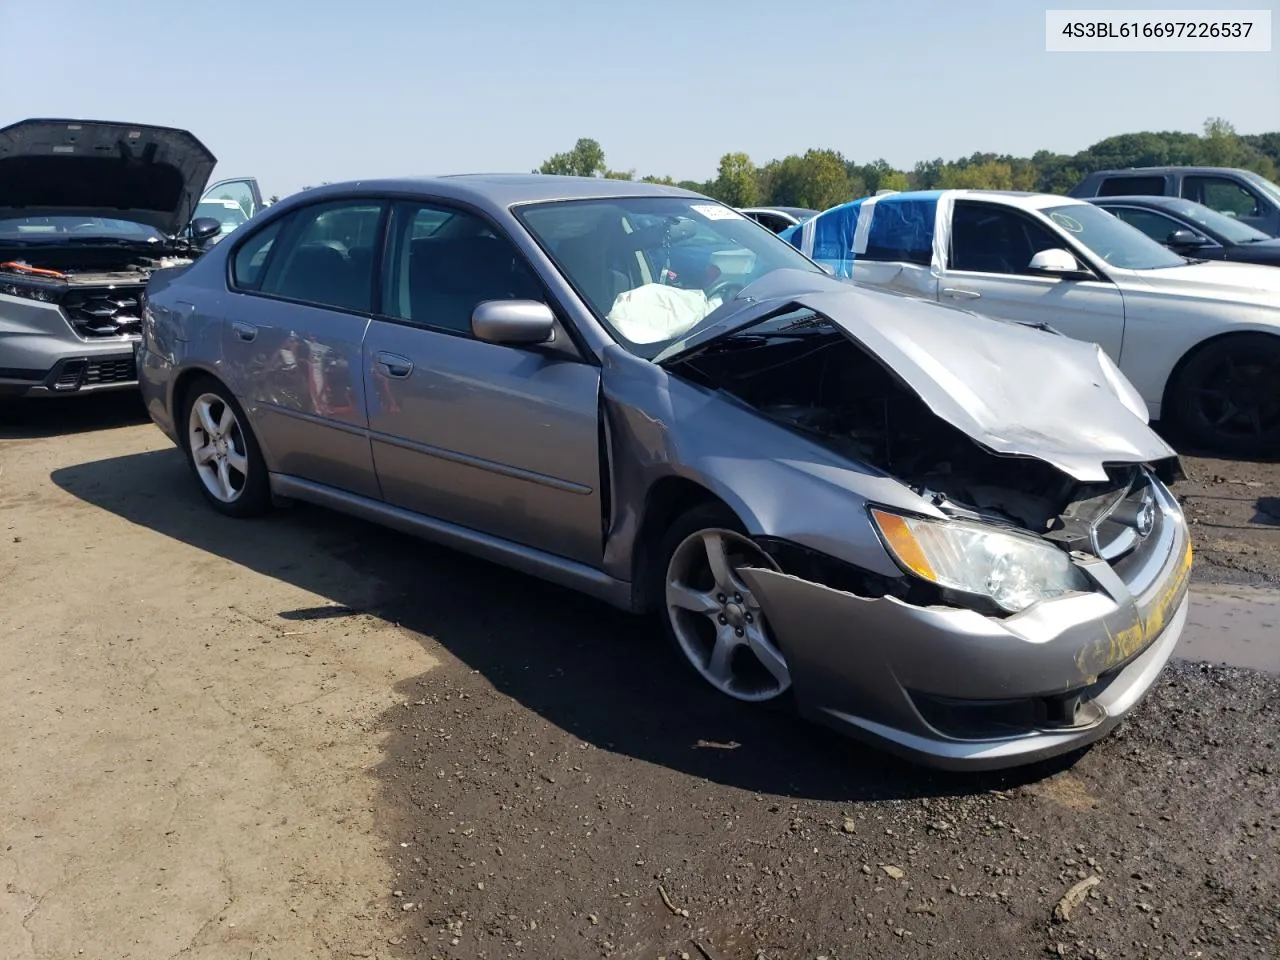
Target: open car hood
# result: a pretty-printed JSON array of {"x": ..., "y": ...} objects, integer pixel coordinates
[
  {"x": 151, "y": 175},
  {"x": 1016, "y": 389}
]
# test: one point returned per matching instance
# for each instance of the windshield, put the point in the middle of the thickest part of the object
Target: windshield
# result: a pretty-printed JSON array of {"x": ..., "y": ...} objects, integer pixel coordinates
[
  {"x": 54, "y": 229},
  {"x": 229, "y": 215},
  {"x": 1229, "y": 228},
  {"x": 1111, "y": 239},
  {"x": 652, "y": 268}
]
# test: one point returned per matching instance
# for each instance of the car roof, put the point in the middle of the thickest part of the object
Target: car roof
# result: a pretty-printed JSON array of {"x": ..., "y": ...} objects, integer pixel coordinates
[
  {"x": 506, "y": 189},
  {"x": 1144, "y": 200},
  {"x": 1014, "y": 198},
  {"x": 1174, "y": 168}
]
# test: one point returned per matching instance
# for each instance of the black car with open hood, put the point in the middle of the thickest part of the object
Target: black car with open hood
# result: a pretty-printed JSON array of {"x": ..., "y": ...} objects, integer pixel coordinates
[{"x": 125, "y": 171}]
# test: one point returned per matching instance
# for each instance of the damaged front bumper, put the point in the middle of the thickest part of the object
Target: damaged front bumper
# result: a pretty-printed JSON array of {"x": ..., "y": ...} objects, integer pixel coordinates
[{"x": 955, "y": 689}]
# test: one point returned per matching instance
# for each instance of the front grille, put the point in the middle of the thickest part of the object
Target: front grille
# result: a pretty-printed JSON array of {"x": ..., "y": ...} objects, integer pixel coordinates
[
  {"x": 123, "y": 370},
  {"x": 79, "y": 372},
  {"x": 1113, "y": 524},
  {"x": 97, "y": 312}
]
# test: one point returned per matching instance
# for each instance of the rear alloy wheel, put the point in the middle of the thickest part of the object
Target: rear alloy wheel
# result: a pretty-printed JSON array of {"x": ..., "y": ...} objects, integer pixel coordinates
[
  {"x": 710, "y": 613},
  {"x": 223, "y": 453},
  {"x": 1227, "y": 396}
]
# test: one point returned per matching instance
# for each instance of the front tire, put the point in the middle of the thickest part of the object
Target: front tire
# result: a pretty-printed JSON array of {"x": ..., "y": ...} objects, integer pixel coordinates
[
  {"x": 222, "y": 451},
  {"x": 1227, "y": 396},
  {"x": 708, "y": 612}
]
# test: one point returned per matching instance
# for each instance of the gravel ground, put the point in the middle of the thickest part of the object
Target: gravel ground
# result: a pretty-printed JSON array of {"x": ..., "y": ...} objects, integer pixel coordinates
[
  {"x": 1234, "y": 509},
  {"x": 309, "y": 737}
]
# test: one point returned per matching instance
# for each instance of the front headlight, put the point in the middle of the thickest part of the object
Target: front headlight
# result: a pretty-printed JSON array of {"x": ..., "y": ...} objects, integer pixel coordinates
[{"x": 1011, "y": 570}]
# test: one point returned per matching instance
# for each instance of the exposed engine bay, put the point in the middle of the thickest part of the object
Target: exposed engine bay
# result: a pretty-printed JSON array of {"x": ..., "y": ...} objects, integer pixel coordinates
[
  {"x": 87, "y": 264},
  {"x": 99, "y": 288},
  {"x": 809, "y": 377}
]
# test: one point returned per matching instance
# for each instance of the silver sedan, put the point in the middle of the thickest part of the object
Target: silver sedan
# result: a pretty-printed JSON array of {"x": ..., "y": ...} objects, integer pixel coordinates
[{"x": 945, "y": 534}]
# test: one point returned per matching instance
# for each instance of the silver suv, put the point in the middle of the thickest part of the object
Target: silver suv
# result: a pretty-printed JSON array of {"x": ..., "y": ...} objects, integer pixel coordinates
[{"x": 88, "y": 210}]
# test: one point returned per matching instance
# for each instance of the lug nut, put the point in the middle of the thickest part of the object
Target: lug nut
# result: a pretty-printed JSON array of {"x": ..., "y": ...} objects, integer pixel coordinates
[
  {"x": 722, "y": 619},
  {"x": 738, "y": 631},
  {"x": 720, "y": 597},
  {"x": 750, "y": 619},
  {"x": 737, "y": 598}
]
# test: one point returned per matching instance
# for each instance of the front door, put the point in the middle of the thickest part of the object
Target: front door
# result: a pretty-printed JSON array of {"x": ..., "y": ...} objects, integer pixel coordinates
[
  {"x": 295, "y": 320},
  {"x": 502, "y": 440},
  {"x": 1231, "y": 198},
  {"x": 987, "y": 272}
]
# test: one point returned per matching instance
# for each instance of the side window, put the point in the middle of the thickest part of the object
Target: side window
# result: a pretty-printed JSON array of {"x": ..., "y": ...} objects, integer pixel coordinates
[
  {"x": 989, "y": 239},
  {"x": 1154, "y": 225},
  {"x": 251, "y": 257},
  {"x": 436, "y": 279},
  {"x": 328, "y": 257},
  {"x": 902, "y": 230},
  {"x": 1219, "y": 193},
  {"x": 1132, "y": 187}
]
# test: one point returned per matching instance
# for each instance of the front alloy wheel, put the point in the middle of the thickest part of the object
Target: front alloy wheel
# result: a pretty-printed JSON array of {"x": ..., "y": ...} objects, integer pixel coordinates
[{"x": 717, "y": 622}]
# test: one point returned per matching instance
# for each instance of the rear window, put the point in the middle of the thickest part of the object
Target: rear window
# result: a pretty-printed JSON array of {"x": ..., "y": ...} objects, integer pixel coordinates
[{"x": 1132, "y": 187}]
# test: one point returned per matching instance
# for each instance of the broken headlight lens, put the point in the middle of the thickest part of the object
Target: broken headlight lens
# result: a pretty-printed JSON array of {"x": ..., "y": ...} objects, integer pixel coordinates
[{"x": 1011, "y": 570}]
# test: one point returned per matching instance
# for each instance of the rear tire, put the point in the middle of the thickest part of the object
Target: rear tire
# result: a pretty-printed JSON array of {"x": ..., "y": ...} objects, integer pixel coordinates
[
  {"x": 222, "y": 451},
  {"x": 1227, "y": 396}
]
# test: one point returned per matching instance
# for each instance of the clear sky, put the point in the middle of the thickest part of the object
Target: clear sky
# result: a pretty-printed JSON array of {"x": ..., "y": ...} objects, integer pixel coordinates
[{"x": 300, "y": 92}]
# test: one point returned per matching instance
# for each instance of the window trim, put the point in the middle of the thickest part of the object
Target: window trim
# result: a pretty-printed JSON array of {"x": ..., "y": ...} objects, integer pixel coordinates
[
  {"x": 293, "y": 218},
  {"x": 1099, "y": 276}
]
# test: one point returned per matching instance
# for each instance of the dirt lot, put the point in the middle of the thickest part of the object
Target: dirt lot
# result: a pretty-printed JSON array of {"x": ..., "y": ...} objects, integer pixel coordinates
[{"x": 308, "y": 737}]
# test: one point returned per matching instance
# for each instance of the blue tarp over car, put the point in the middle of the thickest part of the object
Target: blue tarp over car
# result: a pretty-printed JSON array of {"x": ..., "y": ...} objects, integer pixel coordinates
[{"x": 897, "y": 227}]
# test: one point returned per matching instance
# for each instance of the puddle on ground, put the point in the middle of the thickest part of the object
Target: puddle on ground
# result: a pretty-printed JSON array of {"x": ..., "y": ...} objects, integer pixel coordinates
[{"x": 1233, "y": 624}]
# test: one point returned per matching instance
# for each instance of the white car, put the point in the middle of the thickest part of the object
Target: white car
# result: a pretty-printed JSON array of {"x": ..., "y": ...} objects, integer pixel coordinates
[{"x": 1200, "y": 340}]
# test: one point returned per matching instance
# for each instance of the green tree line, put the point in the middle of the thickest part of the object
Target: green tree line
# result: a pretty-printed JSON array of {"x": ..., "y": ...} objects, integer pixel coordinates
[{"x": 822, "y": 178}]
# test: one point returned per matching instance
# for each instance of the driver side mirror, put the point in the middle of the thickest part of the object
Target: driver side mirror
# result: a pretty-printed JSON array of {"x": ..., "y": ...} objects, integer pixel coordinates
[
  {"x": 1058, "y": 263},
  {"x": 202, "y": 228},
  {"x": 1186, "y": 238},
  {"x": 513, "y": 322}
]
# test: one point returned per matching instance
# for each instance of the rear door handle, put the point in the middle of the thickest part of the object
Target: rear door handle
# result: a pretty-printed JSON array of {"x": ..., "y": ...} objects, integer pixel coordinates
[
  {"x": 245, "y": 331},
  {"x": 958, "y": 294},
  {"x": 395, "y": 365}
]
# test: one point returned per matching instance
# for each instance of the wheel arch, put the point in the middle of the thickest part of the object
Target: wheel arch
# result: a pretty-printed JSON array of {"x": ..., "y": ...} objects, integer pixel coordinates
[
  {"x": 1167, "y": 407},
  {"x": 666, "y": 499},
  {"x": 180, "y": 391}
]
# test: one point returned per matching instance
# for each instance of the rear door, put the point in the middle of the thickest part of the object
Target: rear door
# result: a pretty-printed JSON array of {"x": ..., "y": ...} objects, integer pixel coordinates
[
  {"x": 300, "y": 301},
  {"x": 499, "y": 439},
  {"x": 987, "y": 272}
]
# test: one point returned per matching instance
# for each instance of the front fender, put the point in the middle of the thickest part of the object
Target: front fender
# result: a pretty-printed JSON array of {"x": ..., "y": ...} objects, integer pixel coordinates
[{"x": 777, "y": 482}]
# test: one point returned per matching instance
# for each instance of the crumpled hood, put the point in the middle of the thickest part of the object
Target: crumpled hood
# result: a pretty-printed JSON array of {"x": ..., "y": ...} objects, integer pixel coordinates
[
  {"x": 1252, "y": 283},
  {"x": 146, "y": 174},
  {"x": 1015, "y": 389}
]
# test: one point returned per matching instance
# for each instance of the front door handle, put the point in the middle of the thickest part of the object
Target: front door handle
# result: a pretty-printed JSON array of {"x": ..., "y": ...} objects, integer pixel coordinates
[
  {"x": 245, "y": 331},
  {"x": 958, "y": 294},
  {"x": 395, "y": 365}
]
